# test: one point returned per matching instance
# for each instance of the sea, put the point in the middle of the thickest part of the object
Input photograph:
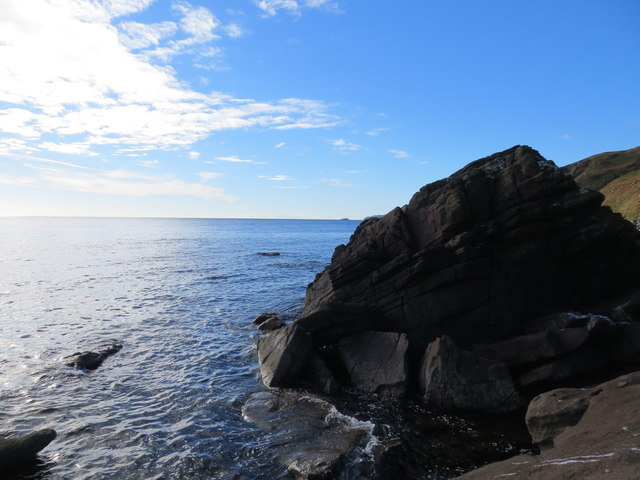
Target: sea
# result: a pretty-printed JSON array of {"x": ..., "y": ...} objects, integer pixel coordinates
[{"x": 180, "y": 296}]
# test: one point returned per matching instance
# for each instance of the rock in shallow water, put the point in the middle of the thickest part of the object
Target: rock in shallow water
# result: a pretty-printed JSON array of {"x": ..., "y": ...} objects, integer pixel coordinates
[
  {"x": 92, "y": 360},
  {"x": 18, "y": 452},
  {"x": 313, "y": 438}
]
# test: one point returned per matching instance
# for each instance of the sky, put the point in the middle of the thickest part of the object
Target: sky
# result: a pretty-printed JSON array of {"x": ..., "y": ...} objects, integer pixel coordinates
[{"x": 297, "y": 108}]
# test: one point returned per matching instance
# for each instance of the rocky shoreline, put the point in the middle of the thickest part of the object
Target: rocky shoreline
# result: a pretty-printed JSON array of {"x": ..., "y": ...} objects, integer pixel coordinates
[{"x": 502, "y": 282}]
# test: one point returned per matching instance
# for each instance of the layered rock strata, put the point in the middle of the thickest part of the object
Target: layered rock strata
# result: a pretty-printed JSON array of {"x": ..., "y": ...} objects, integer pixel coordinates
[{"x": 508, "y": 258}]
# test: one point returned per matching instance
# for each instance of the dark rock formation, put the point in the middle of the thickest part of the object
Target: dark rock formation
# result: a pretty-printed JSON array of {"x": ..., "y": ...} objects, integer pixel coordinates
[
  {"x": 490, "y": 257},
  {"x": 313, "y": 439},
  {"x": 92, "y": 360},
  {"x": 282, "y": 355},
  {"x": 19, "y": 452},
  {"x": 476, "y": 256},
  {"x": 267, "y": 322},
  {"x": 587, "y": 434},
  {"x": 269, "y": 254},
  {"x": 453, "y": 378},
  {"x": 376, "y": 361}
]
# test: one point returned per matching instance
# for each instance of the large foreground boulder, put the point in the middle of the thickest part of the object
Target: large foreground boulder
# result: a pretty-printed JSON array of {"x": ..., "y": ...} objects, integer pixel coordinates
[{"x": 586, "y": 434}]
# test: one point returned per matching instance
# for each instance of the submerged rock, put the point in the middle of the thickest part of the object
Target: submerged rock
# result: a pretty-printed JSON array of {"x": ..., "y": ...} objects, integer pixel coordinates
[
  {"x": 18, "y": 452},
  {"x": 92, "y": 360},
  {"x": 313, "y": 439},
  {"x": 269, "y": 254}
]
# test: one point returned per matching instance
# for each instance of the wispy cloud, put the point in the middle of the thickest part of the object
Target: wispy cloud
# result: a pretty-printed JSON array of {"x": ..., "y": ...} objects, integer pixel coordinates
[
  {"x": 206, "y": 176},
  {"x": 355, "y": 172},
  {"x": 55, "y": 85},
  {"x": 344, "y": 146},
  {"x": 113, "y": 182},
  {"x": 566, "y": 136},
  {"x": 277, "y": 178},
  {"x": 377, "y": 131},
  {"x": 398, "y": 153},
  {"x": 235, "y": 159},
  {"x": 148, "y": 163},
  {"x": 337, "y": 182},
  {"x": 279, "y": 145},
  {"x": 273, "y": 7},
  {"x": 193, "y": 155}
]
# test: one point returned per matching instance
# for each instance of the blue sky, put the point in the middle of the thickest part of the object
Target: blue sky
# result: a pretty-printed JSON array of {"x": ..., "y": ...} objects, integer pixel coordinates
[{"x": 297, "y": 108}]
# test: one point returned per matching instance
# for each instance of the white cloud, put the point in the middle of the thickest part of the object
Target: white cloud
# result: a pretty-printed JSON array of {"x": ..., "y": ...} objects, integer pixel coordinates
[
  {"x": 148, "y": 163},
  {"x": 566, "y": 136},
  {"x": 355, "y": 172},
  {"x": 344, "y": 146},
  {"x": 272, "y": 7},
  {"x": 277, "y": 178},
  {"x": 377, "y": 131},
  {"x": 337, "y": 182},
  {"x": 206, "y": 176},
  {"x": 234, "y": 30},
  {"x": 193, "y": 155},
  {"x": 398, "y": 153},
  {"x": 62, "y": 75},
  {"x": 235, "y": 159},
  {"x": 136, "y": 35},
  {"x": 70, "y": 148},
  {"x": 279, "y": 145}
]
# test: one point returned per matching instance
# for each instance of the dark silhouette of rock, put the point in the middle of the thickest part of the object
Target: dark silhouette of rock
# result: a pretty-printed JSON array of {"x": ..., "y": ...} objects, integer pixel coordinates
[
  {"x": 376, "y": 361},
  {"x": 92, "y": 360},
  {"x": 19, "y": 452},
  {"x": 586, "y": 434},
  {"x": 263, "y": 317},
  {"x": 491, "y": 257},
  {"x": 480, "y": 254},
  {"x": 282, "y": 355},
  {"x": 269, "y": 254},
  {"x": 314, "y": 439},
  {"x": 453, "y": 378}
]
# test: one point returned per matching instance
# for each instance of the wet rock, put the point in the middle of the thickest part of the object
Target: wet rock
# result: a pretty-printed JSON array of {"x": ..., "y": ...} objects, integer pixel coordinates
[
  {"x": 263, "y": 317},
  {"x": 317, "y": 376},
  {"x": 453, "y": 378},
  {"x": 586, "y": 434},
  {"x": 19, "y": 452},
  {"x": 377, "y": 362},
  {"x": 269, "y": 254},
  {"x": 270, "y": 324},
  {"x": 282, "y": 354},
  {"x": 92, "y": 360},
  {"x": 312, "y": 438}
]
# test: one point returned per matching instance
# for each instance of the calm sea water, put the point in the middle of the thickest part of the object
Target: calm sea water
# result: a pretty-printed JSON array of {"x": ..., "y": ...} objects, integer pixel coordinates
[{"x": 180, "y": 295}]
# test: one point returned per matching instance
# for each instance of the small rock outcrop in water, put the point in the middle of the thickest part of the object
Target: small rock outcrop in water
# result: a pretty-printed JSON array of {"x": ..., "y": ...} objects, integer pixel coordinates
[
  {"x": 313, "y": 439},
  {"x": 501, "y": 257},
  {"x": 586, "y": 434},
  {"x": 92, "y": 360},
  {"x": 19, "y": 452},
  {"x": 268, "y": 321}
]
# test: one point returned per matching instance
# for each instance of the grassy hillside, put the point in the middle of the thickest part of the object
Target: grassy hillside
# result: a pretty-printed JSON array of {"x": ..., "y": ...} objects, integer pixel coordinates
[{"x": 616, "y": 175}]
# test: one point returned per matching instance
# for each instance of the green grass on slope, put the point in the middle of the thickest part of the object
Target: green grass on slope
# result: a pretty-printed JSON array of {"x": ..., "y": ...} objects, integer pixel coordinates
[
  {"x": 623, "y": 195},
  {"x": 599, "y": 170}
]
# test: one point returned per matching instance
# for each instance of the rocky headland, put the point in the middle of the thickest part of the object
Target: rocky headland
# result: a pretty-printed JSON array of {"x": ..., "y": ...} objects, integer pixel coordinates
[{"x": 496, "y": 284}]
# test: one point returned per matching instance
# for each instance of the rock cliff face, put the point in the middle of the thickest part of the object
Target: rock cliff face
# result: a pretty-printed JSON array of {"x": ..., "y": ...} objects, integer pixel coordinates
[{"x": 490, "y": 257}]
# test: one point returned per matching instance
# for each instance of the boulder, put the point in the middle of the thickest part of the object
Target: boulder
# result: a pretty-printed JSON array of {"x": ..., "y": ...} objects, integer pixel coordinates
[
  {"x": 587, "y": 434},
  {"x": 92, "y": 360},
  {"x": 20, "y": 451},
  {"x": 479, "y": 255},
  {"x": 263, "y": 317},
  {"x": 453, "y": 378},
  {"x": 282, "y": 354},
  {"x": 312, "y": 438},
  {"x": 270, "y": 324},
  {"x": 376, "y": 362}
]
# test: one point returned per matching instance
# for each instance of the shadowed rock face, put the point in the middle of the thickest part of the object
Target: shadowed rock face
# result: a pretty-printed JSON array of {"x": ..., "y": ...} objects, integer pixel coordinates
[{"x": 476, "y": 256}]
